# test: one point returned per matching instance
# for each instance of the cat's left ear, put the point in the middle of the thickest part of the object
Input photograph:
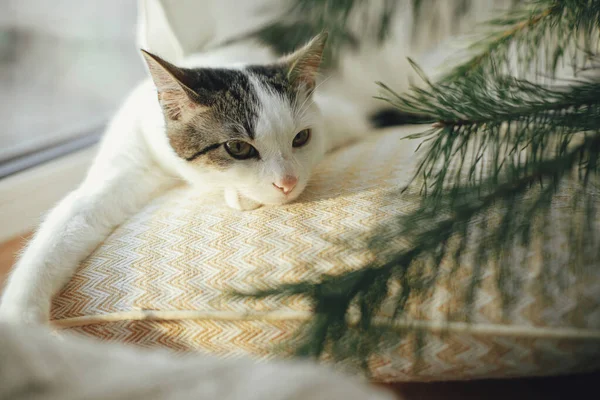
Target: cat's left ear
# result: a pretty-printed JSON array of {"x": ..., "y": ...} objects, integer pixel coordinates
[
  {"x": 172, "y": 84},
  {"x": 303, "y": 65}
]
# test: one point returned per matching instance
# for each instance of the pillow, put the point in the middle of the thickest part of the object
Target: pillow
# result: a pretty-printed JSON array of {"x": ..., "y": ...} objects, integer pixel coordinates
[{"x": 162, "y": 280}]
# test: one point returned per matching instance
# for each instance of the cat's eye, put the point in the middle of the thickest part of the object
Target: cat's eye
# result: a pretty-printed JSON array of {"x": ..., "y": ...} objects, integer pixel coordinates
[
  {"x": 301, "y": 138},
  {"x": 240, "y": 150}
]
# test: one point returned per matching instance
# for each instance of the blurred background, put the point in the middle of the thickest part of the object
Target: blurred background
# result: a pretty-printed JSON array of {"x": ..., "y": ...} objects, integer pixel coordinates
[{"x": 65, "y": 66}]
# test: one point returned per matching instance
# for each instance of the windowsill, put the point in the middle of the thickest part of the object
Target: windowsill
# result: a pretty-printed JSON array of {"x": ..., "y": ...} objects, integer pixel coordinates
[
  {"x": 25, "y": 196},
  {"x": 35, "y": 158}
]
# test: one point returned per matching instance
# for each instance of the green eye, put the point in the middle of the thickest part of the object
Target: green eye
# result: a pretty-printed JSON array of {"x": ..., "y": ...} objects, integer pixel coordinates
[
  {"x": 240, "y": 150},
  {"x": 301, "y": 138}
]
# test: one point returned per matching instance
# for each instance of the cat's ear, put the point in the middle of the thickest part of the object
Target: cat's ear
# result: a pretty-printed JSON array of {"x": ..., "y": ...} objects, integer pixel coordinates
[
  {"x": 303, "y": 65},
  {"x": 171, "y": 82}
]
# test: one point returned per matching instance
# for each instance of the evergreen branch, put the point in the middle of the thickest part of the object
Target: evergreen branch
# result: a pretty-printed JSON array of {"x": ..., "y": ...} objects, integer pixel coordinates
[
  {"x": 528, "y": 134},
  {"x": 425, "y": 232},
  {"x": 559, "y": 29},
  {"x": 301, "y": 20},
  {"x": 498, "y": 41},
  {"x": 499, "y": 151},
  {"x": 505, "y": 122}
]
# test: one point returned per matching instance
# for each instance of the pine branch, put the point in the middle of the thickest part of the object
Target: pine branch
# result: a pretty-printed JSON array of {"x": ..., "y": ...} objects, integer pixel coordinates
[
  {"x": 431, "y": 234},
  {"x": 558, "y": 29},
  {"x": 301, "y": 20},
  {"x": 517, "y": 119},
  {"x": 500, "y": 150}
]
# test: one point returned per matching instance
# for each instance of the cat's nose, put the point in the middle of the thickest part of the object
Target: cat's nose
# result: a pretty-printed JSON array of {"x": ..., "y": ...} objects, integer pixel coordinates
[{"x": 287, "y": 184}]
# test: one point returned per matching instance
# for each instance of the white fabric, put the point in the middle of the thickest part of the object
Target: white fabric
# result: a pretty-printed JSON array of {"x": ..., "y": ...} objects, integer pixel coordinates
[
  {"x": 34, "y": 365},
  {"x": 176, "y": 28}
]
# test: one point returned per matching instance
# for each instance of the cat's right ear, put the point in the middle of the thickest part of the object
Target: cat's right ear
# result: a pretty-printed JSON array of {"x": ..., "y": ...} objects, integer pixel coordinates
[
  {"x": 174, "y": 94},
  {"x": 303, "y": 65}
]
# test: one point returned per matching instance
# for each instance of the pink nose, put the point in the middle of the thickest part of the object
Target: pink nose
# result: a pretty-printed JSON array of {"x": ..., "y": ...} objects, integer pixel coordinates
[{"x": 287, "y": 184}]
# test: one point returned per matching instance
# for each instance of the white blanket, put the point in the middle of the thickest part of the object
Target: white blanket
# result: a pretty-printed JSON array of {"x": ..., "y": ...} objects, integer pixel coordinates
[{"x": 35, "y": 365}]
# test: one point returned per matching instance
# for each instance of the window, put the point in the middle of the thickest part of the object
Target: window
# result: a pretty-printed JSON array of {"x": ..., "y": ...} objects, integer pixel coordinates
[{"x": 65, "y": 67}]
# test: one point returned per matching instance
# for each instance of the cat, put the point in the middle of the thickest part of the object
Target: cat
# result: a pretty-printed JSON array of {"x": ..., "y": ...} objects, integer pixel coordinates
[{"x": 255, "y": 131}]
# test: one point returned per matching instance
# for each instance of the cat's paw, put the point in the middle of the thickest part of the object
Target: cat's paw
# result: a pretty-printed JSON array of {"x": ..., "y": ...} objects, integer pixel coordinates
[{"x": 235, "y": 200}]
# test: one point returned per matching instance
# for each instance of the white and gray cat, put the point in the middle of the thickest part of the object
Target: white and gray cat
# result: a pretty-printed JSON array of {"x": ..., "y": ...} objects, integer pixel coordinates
[{"x": 254, "y": 131}]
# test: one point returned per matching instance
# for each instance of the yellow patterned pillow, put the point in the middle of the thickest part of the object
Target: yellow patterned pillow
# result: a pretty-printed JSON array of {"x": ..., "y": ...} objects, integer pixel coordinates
[{"x": 161, "y": 280}]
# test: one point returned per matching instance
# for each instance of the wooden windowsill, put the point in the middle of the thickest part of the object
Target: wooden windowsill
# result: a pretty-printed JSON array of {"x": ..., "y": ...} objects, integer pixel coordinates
[{"x": 8, "y": 254}]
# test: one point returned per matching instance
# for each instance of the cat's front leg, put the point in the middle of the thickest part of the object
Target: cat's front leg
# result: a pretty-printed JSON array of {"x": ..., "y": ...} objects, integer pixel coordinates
[
  {"x": 235, "y": 200},
  {"x": 123, "y": 178},
  {"x": 72, "y": 231}
]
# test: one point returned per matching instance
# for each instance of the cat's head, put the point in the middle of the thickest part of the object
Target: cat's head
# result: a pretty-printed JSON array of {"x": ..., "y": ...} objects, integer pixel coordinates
[{"x": 255, "y": 128}]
